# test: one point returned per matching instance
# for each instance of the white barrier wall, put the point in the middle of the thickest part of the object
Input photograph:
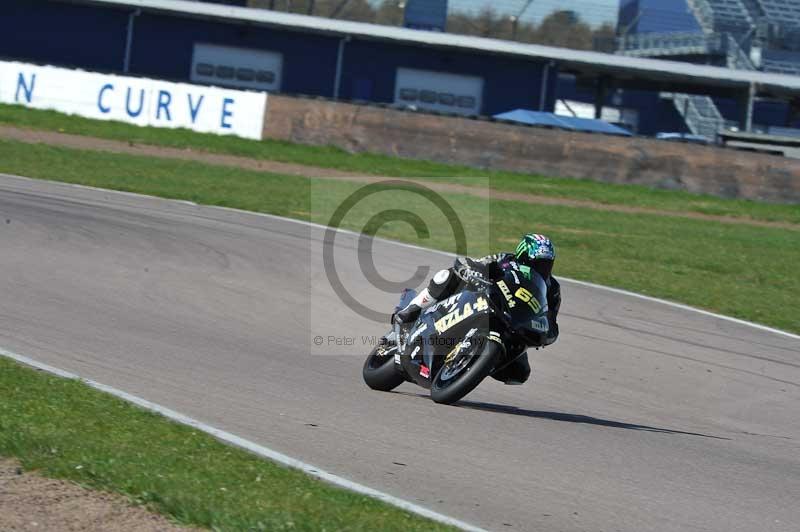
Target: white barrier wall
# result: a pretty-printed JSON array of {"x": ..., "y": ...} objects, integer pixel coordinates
[{"x": 140, "y": 101}]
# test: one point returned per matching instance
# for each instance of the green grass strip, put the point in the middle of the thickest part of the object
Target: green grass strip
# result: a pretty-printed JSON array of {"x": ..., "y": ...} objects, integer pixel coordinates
[
  {"x": 68, "y": 430},
  {"x": 367, "y": 163},
  {"x": 742, "y": 271}
]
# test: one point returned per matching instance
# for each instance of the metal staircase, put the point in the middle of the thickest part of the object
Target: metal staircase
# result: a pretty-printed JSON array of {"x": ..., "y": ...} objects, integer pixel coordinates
[
  {"x": 735, "y": 57},
  {"x": 700, "y": 114}
]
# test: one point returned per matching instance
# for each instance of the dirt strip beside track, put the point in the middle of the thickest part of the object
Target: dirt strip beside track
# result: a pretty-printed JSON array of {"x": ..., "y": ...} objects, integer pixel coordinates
[
  {"x": 114, "y": 146},
  {"x": 29, "y": 501}
]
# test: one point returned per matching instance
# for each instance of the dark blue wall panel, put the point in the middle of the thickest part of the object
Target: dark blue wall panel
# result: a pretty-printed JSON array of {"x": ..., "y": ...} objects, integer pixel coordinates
[
  {"x": 772, "y": 113},
  {"x": 163, "y": 48},
  {"x": 765, "y": 112},
  {"x": 508, "y": 83},
  {"x": 63, "y": 34}
]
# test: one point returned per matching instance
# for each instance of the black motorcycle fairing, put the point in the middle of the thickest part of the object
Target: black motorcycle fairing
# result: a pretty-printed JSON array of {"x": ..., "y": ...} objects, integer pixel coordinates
[
  {"x": 441, "y": 329},
  {"x": 524, "y": 299}
]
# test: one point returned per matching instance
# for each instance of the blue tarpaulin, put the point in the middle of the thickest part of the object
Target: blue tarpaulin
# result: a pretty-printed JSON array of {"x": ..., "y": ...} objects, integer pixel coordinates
[{"x": 538, "y": 118}]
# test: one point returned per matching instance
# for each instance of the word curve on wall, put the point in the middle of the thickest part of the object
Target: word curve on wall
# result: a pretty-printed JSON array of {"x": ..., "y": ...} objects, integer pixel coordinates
[{"x": 140, "y": 101}]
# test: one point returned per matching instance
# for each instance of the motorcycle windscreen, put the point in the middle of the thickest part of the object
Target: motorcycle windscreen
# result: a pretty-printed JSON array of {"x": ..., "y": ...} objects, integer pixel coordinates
[{"x": 526, "y": 302}]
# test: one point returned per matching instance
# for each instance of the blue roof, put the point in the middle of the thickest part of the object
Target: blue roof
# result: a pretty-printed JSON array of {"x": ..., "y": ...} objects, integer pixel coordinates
[{"x": 538, "y": 118}]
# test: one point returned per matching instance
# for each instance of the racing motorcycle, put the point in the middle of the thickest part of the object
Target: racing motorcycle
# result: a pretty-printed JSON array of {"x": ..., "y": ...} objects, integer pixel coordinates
[{"x": 459, "y": 341}]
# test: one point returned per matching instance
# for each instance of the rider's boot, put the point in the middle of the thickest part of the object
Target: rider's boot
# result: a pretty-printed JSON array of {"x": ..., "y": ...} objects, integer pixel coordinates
[
  {"x": 517, "y": 372},
  {"x": 554, "y": 305},
  {"x": 412, "y": 311}
]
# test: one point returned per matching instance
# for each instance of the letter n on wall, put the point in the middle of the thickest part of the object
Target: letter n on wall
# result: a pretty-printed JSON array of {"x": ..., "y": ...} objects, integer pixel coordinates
[{"x": 27, "y": 89}]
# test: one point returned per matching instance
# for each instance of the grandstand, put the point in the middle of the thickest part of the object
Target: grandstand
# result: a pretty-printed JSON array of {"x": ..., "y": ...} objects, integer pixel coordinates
[
  {"x": 728, "y": 15},
  {"x": 711, "y": 28},
  {"x": 781, "y": 11},
  {"x": 740, "y": 34}
]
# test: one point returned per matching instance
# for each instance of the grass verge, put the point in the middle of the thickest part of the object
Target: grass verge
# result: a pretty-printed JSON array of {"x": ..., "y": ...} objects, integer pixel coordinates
[
  {"x": 68, "y": 430},
  {"x": 367, "y": 163},
  {"x": 742, "y": 271}
]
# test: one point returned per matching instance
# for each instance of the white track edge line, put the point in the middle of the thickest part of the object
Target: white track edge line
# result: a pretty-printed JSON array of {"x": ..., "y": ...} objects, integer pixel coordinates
[
  {"x": 248, "y": 445},
  {"x": 620, "y": 291}
]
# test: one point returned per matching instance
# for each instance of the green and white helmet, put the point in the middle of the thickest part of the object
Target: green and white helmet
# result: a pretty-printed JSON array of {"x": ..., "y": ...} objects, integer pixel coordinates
[{"x": 538, "y": 252}]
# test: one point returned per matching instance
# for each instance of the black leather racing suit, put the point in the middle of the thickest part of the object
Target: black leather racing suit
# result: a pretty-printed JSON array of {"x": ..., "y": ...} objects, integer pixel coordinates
[{"x": 446, "y": 283}]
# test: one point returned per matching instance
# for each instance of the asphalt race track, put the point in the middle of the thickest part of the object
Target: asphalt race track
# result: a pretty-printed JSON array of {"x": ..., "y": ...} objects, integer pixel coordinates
[{"x": 642, "y": 417}]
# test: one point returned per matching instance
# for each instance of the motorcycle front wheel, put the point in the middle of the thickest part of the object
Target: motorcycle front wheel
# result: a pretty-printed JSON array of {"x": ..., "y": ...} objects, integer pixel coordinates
[
  {"x": 459, "y": 376},
  {"x": 379, "y": 370}
]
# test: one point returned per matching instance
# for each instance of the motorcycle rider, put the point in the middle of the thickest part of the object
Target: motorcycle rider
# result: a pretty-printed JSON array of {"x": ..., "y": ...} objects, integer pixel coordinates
[{"x": 534, "y": 251}]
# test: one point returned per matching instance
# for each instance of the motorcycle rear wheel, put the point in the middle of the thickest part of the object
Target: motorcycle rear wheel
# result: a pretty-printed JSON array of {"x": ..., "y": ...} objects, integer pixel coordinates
[
  {"x": 380, "y": 372},
  {"x": 478, "y": 368}
]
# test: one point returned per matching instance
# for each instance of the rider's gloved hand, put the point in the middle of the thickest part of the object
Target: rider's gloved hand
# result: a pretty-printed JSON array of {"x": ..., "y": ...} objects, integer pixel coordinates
[
  {"x": 406, "y": 315},
  {"x": 494, "y": 271},
  {"x": 473, "y": 275}
]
